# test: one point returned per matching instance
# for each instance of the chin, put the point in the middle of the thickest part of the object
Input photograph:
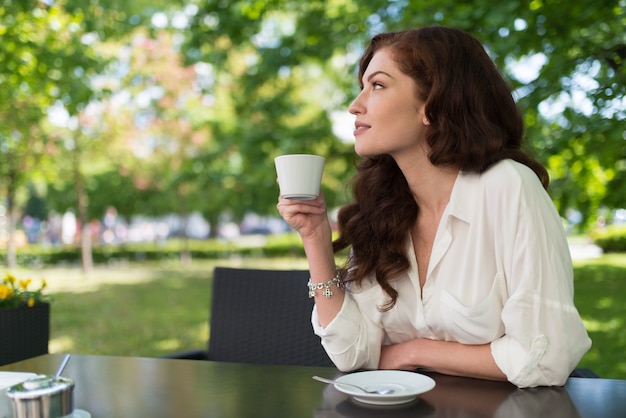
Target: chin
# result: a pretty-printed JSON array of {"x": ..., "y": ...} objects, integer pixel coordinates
[
  {"x": 363, "y": 152},
  {"x": 367, "y": 154}
]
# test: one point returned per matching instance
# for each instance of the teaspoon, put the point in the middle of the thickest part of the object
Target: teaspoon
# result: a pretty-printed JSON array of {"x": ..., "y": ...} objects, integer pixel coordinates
[
  {"x": 376, "y": 392},
  {"x": 62, "y": 366}
]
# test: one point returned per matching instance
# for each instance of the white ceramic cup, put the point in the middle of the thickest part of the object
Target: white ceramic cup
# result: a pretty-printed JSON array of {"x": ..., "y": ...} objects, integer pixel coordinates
[{"x": 299, "y": 175}]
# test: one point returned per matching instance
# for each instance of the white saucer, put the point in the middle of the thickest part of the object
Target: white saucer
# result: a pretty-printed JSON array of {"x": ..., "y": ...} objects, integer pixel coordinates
[
  {"x": 79, "y": 413},
  {"x": 406, "y": 385}
]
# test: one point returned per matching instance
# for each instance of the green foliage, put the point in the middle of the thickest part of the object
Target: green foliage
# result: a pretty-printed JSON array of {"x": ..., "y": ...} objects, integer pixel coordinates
[
  {"x": 612, "y": 239},
  {"x": 617, "y": 187},
  {"x": 43, "y": 60},
  {"x": 35, "y": 206}
]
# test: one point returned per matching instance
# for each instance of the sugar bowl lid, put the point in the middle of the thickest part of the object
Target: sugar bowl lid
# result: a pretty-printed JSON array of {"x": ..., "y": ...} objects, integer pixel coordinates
[{"x": 38, "y": 386}]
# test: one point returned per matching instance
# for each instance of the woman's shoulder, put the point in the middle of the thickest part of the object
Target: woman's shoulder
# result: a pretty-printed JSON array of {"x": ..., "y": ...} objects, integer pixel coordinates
[
  {"x": 509, "y": 169},
  {"x": 505, "y": 181},
  {"x": 511, "y": 175}
]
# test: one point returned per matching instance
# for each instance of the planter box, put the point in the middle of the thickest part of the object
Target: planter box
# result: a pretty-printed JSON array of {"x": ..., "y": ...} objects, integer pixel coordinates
[{"x": 24, "y": 332}]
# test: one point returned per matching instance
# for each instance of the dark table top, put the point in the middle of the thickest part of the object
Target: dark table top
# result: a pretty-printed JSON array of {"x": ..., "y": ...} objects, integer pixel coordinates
[{"x": 118, "y": 387}]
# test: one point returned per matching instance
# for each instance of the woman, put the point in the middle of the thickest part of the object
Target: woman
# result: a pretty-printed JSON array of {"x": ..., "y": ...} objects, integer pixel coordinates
[{"x": 458, "y": 260}]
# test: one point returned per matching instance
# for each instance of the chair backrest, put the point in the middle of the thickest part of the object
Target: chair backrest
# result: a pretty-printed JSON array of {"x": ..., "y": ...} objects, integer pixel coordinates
[{"x": 263, "y": 317}]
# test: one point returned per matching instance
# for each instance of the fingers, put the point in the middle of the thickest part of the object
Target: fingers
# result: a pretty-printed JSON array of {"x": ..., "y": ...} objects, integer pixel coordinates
[
  {"x": 303, "y": 216},
  {"x": 291, "y": 209}
]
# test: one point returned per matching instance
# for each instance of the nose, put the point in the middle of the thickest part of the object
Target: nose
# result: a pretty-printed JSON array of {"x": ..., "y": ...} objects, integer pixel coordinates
[{"x": 356, "y": 107}]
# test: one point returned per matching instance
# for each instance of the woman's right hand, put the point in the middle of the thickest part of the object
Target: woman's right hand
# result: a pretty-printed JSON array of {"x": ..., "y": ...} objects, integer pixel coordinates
[{"x": 307, "y": 217}]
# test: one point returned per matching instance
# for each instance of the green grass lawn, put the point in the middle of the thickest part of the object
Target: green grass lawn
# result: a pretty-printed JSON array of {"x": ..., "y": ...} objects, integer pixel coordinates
[
  {"x": 152, "y": 310},
  {"x": 600, "y": 293},
  {"x": 146, "y": 310}
]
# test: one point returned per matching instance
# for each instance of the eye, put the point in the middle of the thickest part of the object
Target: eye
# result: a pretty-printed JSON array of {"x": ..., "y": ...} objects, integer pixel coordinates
[{"x": 376, "y": 85}]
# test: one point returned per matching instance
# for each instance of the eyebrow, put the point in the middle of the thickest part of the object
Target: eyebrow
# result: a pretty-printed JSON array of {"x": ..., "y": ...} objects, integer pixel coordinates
[{"x": 375, "y": 73}]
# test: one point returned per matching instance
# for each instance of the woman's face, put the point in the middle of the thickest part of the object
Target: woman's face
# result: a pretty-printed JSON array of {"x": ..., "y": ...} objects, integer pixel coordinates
[{"x": 389, "y": 117}]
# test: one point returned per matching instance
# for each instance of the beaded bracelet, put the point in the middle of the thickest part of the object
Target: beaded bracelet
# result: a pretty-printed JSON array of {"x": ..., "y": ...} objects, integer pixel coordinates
[{"x": 326, "y": 286}]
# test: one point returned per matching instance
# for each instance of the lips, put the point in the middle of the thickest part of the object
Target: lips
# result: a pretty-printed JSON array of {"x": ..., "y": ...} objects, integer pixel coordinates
[{"x": 360, "y": 127}]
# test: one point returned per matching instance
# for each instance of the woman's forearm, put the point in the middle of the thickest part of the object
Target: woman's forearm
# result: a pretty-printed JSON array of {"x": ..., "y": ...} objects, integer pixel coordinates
[
  {"x": 442, "y": 356},
  {"x": 319, "y": 253}
]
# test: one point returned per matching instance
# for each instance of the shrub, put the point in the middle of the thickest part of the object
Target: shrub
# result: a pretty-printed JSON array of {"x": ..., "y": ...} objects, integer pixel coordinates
[
  {"x": 287, "y": 245},
  {"x": 612, "y": 239}
]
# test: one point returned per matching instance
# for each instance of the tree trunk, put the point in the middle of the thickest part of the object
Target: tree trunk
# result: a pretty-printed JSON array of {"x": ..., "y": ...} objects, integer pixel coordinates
[
  {"x": 11, "y": 221},
  {"x": 83, "y": 216},
  {"x": 185, "y": 254}
]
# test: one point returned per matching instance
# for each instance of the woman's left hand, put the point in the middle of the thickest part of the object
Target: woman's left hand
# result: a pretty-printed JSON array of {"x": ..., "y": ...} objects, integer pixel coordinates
[{"x": 394, "y": 357}]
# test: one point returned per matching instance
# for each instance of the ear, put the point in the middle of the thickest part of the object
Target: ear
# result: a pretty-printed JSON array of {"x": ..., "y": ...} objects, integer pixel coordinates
[{"x": 421, "y": 111}]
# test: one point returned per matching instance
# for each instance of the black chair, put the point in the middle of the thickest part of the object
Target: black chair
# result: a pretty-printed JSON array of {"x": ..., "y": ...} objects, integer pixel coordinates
[
  {"x": 261, "y": 317},
  {"x": 583, "y": 372}
]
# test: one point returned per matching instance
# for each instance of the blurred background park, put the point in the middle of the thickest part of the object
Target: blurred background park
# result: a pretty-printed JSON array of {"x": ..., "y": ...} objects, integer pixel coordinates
[{"x": 137, "y": 140}]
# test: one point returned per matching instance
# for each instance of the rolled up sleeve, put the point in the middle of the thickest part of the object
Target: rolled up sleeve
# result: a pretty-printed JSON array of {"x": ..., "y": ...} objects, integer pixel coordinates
[
  {"x": 541, "y": 356},
  {"x": 545, "y": 337}
]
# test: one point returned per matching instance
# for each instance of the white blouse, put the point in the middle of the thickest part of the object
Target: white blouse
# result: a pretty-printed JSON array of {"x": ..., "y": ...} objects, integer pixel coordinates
[{"x": 500, "y": 272}]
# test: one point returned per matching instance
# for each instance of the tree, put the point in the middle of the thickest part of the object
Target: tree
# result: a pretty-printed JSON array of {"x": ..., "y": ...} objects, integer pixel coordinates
[
  {"x": 44, "y": 59},
  {"x": 48, "y": 58},
  {"x": 157, "y": 129}
]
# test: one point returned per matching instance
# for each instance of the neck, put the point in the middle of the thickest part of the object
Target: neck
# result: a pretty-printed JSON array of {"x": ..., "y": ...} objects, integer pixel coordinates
[{"x": 430, "y": 185}]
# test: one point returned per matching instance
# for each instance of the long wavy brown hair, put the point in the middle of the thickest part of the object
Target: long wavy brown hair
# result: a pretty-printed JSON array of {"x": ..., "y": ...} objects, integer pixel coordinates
[{"x": 474, "y": 123}]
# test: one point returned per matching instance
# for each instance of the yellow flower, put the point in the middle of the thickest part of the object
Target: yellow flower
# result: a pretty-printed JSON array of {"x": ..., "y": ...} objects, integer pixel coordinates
[
  {"x": 9, "y": 278},
  {"x": 4, "y": 291},
  {"x": 31, "y": 302},
  {"x": 24, "y": 283}
]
